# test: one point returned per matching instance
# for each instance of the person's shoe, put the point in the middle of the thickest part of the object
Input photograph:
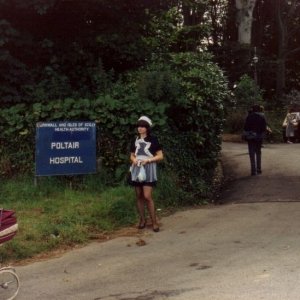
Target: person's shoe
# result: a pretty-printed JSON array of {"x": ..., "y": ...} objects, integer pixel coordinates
[
  {"x": 253, "y": 173},
  {"x": 155, "y": 228},
  {"x": 289, "y": 142},
  {"x": 259, "y": 171},
  {"x": 142, "y": 225}
]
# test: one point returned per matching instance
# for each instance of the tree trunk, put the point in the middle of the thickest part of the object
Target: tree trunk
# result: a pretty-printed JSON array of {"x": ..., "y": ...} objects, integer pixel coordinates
[
  {"x": 244, "y": 19},
  {"x": 280, "y": 77},
  {"x": 281, "y": 51}
]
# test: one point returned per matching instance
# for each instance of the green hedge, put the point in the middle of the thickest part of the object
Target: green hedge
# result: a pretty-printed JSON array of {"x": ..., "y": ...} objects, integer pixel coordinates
[
  {"x": 115, "y": 118},
  {"x": 183, "y": 95}
]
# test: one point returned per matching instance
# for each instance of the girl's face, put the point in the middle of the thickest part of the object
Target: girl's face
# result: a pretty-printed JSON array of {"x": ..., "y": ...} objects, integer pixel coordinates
[{"x": 142, "y": 130}]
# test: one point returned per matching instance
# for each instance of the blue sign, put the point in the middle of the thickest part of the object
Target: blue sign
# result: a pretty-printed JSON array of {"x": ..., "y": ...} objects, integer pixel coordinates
[{"x": 65, "y": 148}]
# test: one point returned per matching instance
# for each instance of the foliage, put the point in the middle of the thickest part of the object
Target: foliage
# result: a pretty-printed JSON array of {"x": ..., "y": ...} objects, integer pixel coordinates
[
  {"x": 292, "y": 99},
  {"x": 158, "y": 84},
  {"x": 108, "y": 61},
  {"x": 195, "y": 120},
  {"x": 168, "y": 193},
  {"x": 54, "y": 215},
  {"x": 77, "y": 48},
  {"x": 116, "y": 119},
  {"x": 163, "y": 32},
  {"x": 279, "y": 44},
  {"x": 70, "y": 48},
  {"x": 184, "y": 96},
  {"x": 196, "y": 91},
  {"x": 274, "y": 120},
  {"x": 247, "y": 93},
  {"x": 235, "y": 121}
]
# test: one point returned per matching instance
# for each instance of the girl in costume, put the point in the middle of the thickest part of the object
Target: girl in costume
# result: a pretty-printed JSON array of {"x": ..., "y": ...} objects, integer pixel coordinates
[{"x": 145, "y": 152}]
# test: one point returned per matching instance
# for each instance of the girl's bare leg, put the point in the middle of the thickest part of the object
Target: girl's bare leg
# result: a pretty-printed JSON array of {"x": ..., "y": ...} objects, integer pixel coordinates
[
  {"x": 140, "y": 202},
  {"x": 150, "y": 204}
]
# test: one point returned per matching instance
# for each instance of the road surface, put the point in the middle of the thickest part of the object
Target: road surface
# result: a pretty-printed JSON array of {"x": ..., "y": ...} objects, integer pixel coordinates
[{"x": 247, "y": 248}]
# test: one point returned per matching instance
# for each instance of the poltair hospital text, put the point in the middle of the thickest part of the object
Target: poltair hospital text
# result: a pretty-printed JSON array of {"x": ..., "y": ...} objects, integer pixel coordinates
[{"x": 65, "y": 159}]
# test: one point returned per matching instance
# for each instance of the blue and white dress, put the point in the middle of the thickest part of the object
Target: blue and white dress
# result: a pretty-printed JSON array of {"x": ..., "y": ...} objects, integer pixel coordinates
[{"x": 145, "y": 149}]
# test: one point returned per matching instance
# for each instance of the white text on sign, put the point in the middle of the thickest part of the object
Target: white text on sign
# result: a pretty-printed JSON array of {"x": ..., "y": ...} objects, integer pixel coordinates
[
  {"x": 65, "y": 145},
  {"x": 65, "y": 160}
]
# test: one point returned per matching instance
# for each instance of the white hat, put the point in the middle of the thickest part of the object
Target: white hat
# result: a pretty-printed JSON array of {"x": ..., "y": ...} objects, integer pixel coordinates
[{"x": 146, "y": 119}]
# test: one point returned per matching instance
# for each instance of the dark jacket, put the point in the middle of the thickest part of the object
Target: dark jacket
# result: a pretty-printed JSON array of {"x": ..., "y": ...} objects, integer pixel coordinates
[{"x": 256, "y": 122}]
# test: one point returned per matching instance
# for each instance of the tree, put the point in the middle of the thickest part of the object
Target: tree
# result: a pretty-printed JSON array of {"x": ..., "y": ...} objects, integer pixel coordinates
[
  {"x": 217, "y": 11},
  {"x": 244, "y": 20},
  {"x": 54, "y": 49},
  {"x": 287, "y": 15},
  {"x": 272, "y": 26},
  {"x": 247, "y": 93},
  {"x": 276, "y": 34}
]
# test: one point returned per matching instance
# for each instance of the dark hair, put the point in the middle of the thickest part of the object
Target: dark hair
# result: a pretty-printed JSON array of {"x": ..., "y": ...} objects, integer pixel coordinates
[
  {"x": 292, "y": 109},
  {"x": 142, "y": 123},
  {"x": 256, "y": 108}
]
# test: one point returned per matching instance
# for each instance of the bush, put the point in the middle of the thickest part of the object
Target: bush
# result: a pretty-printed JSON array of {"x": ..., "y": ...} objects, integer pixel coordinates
[
  {"x": 235, "y": 121},
  {"x": 115, "y": 117},
  {"x": 184, "y": 95},
  {"x": 275, "y": 120},
  {"x": 292, "y": 100},
  {"x": 247, "y": 93},
  {"x": 168, "y": 192},
  {"x": 196, "y": 119}
]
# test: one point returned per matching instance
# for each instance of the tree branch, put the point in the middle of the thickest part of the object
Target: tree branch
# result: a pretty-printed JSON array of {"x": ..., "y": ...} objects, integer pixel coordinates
[
  {"x": 292, "y": 52},
  {"x": 292, "y": 9}
]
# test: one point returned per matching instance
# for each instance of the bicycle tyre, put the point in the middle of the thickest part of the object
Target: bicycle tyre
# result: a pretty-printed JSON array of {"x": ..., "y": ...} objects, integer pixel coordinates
[{"x": 9, "y": 284}]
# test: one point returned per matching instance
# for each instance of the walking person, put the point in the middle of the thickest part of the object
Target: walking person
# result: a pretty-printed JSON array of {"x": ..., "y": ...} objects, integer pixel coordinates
[
  {"x": 145, "y": 152},
  {"x": 291, "y": 123},
  {"x": 268, "y": 128},
  {"x": 254, "y": 129}
]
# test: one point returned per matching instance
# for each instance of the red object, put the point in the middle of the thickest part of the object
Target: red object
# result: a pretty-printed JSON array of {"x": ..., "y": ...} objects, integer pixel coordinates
[{"x": 8, "y": 225}]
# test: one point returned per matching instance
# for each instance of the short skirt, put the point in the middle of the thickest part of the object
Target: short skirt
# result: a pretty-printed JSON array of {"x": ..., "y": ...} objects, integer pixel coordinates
[
  {"x": 141, "y": 184},
  {"x": 150, "y": 170}
]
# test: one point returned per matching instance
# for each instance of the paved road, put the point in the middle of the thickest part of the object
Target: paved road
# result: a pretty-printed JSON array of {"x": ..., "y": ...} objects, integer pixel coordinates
[
  {"x": 279, "y": 181},
  {"x": 247, "y": 248}
]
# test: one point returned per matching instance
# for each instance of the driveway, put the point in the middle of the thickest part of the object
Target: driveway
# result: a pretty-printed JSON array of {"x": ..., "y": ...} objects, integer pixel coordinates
[
  {"x": 280, "y": 181},
  {"x": 246, "y": 248}
]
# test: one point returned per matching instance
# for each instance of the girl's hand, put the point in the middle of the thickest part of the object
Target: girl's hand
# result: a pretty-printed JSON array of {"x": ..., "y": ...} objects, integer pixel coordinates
[{"x": 146, "y": 161}]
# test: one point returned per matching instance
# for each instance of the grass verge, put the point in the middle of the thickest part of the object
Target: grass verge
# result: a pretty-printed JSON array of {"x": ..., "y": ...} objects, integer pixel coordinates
[
  {"x": 63, "y": 212},
  {"x": 53, "y": 215}
]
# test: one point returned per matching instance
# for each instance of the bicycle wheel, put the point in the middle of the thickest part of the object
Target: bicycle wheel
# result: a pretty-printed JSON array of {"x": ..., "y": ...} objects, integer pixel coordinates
[{"x": 9, "y": 284}]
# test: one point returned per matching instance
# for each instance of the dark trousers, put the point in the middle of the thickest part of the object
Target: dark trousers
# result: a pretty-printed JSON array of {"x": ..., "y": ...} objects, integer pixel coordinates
[{"x": 254, "y": 148}]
